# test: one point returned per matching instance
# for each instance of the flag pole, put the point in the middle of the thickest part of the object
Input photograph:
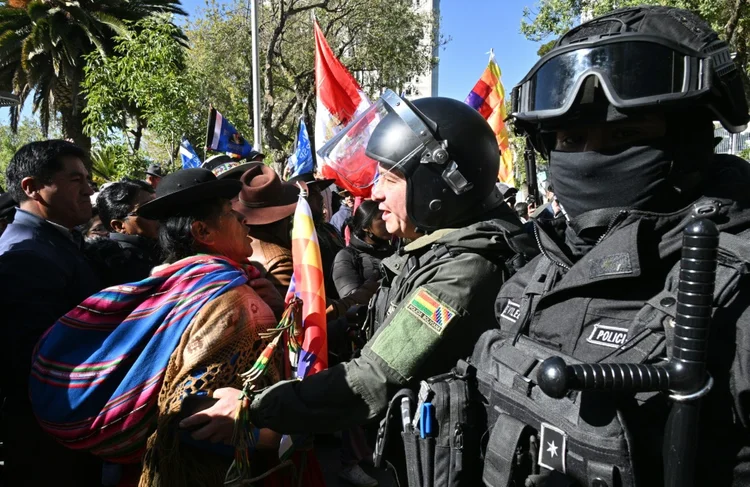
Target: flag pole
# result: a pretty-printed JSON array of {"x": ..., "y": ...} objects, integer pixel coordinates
[
  {"x": 208, "y": 131},
  {"x": 256, "y": 77}
]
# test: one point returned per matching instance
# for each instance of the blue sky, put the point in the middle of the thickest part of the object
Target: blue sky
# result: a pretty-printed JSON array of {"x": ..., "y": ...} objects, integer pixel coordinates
[{"x": 474, "y": 26}]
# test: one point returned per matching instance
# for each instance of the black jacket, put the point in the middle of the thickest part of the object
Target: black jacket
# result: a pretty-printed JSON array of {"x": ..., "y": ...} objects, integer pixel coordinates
[
  {"x": 577, "y": 289},
  {"x": 123, "y": 258},
  {"x": 358, "y": 264},
  {"x": 330, "y": 244}
]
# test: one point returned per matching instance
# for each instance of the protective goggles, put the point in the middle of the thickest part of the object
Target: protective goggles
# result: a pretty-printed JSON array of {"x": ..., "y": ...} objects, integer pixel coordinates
[
  {"x": 346, "y": 153},
  {"x": 636, "y": 70}
]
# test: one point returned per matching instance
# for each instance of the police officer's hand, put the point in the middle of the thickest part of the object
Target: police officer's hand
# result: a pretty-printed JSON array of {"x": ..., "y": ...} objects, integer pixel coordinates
[
  {"x": 215, "y": 424},
  {"x": 269, "y": 294}
]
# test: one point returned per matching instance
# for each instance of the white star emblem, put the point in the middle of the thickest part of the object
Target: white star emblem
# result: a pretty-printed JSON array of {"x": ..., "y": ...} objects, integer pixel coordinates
[{"x": 552, "y": 449}]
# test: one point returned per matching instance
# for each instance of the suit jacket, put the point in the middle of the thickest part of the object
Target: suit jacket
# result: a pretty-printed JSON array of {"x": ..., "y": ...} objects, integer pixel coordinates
[{"x": 43, "y": 275}]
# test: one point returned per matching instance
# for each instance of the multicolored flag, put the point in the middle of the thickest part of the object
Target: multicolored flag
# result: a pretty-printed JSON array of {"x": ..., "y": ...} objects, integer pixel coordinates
[
  {"x": 308, "y": 285},
  {"x": 188, "y": 155},
  {"x": 223, "y": 137},
  {"x": 339, "y": 101},
  {"x": 301, "y": 162},
  {"x": 488, "y": 98}
]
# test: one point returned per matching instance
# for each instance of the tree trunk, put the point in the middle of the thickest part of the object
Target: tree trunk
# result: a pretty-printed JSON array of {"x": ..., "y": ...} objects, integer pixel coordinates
[
  {"x": 71, "y": 106},
  {"x": 266, "y": 118},
  {"x": 742, "y": 61},
  {"x": 72, "y": 128},
  {"x": 734, "y": 20},
  {"x": 138, "y": 134}
]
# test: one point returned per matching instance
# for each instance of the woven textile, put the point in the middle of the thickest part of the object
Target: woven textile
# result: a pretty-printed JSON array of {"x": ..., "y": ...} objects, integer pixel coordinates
[{"x": 97, "y": 373}]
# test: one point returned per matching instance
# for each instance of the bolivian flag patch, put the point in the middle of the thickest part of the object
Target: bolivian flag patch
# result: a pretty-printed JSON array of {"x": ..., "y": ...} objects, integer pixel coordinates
[{"x": 430, "y": 311}]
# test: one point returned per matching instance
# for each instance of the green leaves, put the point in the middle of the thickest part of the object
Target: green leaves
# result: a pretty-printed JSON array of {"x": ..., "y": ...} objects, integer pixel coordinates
[
  {"x": 115, "y": 161},
  {"x": 44, "y": 44},
  {"x": 142, "y": 91}
]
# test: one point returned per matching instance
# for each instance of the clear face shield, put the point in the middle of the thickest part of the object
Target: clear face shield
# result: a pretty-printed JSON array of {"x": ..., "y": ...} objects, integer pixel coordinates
[{"x": 346, "y": 153}]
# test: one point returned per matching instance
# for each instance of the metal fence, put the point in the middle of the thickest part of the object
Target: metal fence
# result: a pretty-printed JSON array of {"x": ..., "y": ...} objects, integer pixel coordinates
[{"x": 731, "y": 143}]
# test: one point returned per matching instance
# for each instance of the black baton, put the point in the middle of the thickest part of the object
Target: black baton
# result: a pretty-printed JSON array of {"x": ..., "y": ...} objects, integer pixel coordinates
[{"x": 684, "y": 375}]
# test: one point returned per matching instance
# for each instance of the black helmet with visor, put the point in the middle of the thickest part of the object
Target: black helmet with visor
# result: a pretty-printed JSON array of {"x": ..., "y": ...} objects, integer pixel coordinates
[
  {"x": 444, "y": 148},
  {"x": 643, "y": 58}
]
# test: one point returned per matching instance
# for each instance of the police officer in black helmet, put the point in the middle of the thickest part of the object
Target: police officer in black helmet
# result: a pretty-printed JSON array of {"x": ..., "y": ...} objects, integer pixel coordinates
[
  {"x": 437, "y": 166},
  {"x": 623, "y": 106}
]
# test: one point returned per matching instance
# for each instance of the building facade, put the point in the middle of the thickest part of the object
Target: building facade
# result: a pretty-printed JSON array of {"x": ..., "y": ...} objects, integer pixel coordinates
[{"x": 427, "y": 84}]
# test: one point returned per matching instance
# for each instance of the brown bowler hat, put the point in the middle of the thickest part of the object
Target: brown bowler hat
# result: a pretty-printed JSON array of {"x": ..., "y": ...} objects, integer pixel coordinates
[{"x": 264, "y": 198}]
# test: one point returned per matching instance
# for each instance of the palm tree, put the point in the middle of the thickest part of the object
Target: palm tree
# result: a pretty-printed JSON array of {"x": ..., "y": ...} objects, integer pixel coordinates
[
  {"x": 42, "y": 49},
  {"x": 104, "y": 162}
]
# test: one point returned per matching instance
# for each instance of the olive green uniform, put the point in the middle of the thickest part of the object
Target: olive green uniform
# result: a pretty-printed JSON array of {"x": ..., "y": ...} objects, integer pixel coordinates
[{"x": 436, "y": 299}]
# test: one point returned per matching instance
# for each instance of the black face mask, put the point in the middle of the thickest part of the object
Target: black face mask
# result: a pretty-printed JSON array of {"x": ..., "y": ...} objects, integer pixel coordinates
[{"x": 636, "y": 177}]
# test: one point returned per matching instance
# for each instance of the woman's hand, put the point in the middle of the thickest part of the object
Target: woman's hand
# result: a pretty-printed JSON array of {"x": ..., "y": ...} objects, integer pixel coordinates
[{"x": 215, "y": 424}]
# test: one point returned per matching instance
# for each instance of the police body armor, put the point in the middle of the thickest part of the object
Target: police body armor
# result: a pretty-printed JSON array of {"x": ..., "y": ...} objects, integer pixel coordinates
[{"x": 526, "y": 438}]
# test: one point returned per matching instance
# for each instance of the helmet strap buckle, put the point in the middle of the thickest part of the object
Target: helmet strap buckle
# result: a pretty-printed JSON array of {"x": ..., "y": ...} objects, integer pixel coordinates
[{"x": 455, "y": 180}]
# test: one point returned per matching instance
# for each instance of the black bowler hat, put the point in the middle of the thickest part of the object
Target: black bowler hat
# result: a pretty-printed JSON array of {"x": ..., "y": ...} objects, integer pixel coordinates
[
  {"x": 312, "y": 183},
  {"x": 225, "y": 167},
  {"x": 155, "y": 170},
  {"x": 184, "y": 189}
]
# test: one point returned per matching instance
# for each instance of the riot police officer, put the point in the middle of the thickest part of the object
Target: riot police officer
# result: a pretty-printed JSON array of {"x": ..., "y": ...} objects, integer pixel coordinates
[
  {"x": 437, "y": 162},
  {"x": 623, "y": 106}
]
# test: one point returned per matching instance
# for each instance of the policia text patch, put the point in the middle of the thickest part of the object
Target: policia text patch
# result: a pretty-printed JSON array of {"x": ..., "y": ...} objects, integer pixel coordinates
[{"x": 608, "y": 336}]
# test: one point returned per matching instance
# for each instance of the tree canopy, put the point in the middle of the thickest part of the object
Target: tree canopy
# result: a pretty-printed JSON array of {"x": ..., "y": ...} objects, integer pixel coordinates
[
  {"x": 43, "y": 46},
  {"x": 380, "y": 41},
  {"x": 136, "y": 82}
]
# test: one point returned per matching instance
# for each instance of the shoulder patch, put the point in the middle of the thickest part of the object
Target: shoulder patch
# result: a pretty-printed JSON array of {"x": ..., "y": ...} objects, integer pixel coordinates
[
  {"x": 430, "y": 311},
  {"x": 611, "y": 265},
  {"x": 512, "y": 311}
]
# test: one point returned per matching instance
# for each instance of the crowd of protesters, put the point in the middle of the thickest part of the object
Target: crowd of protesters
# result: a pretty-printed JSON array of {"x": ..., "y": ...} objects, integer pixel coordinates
[
  {"x": 140, "y": 322},
  {"x": 63, "y": 243}
]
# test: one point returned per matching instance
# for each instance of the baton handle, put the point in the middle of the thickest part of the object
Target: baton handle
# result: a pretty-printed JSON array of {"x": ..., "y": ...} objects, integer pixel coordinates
[{"x": 685, "y": 372}]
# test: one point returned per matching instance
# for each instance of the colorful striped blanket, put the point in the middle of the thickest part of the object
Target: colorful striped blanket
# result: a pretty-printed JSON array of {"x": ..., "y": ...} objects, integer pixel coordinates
[{"x": 96, "y": 374}]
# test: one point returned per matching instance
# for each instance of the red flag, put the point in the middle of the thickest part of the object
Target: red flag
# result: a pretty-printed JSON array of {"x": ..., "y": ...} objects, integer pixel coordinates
[
  {"x": 338, "y": 94},
  {"x": 340, "y": 99}
]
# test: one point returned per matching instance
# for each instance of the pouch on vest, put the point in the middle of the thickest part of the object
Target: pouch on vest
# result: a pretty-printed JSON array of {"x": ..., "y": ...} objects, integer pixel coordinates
[
  {"x": 582, "y": 437},
  {"x": 449, "y": 457}
]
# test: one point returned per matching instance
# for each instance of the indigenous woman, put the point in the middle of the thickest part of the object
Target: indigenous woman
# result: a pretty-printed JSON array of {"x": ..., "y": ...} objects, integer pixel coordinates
[{"x": 115, "y": 375}]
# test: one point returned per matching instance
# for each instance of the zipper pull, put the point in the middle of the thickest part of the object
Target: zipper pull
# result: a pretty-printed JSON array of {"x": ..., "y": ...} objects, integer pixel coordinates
[{"x": 458, "y": 444}]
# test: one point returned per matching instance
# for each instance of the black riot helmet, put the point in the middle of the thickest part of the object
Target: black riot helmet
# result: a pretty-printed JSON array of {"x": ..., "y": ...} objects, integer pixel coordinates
[
  {"x": 444, "y": 148},
  {"x": 645, "y": 58}
]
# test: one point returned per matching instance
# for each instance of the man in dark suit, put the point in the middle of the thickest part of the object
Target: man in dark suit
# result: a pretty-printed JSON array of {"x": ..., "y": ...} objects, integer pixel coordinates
[{"x": 43, "y": 274}]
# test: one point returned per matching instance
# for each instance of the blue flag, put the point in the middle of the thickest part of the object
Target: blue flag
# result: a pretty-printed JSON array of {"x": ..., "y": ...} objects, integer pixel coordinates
[
  {"x": 223, "y": 137},
  {"x": 301, "y": 162},
  {"x": 188, "y": 155}
]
